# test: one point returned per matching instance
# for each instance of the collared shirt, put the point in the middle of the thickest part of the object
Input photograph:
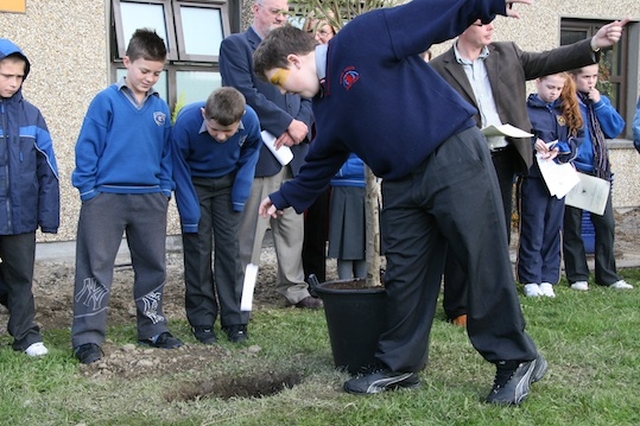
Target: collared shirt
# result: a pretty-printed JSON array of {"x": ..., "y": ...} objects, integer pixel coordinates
[
  {"x": 321, "y": 61},
  {"x": 479, "y": 80},
  {"x": 122, "y": 85}
]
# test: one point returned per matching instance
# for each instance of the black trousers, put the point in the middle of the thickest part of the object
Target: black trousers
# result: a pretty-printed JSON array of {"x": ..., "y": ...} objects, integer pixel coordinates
[
  {"x": 575, "y": 260},
  {"x": 207, "y": 283},
  {"x": 452, "y": 199},
  {"x": 16, "y": 278},
  {"x": 314, "y": 249},
  {"x": 455, "y": 282}
]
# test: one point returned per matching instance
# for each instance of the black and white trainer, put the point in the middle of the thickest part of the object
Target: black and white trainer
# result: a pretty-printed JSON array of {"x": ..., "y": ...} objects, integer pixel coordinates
[
  {"x": 381, "y": 380},
  {"x": 513, "y": 380}
]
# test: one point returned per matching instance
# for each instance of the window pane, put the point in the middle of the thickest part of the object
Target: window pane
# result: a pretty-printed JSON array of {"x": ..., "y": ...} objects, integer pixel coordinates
[
  {"x": 572, "y": 36},
  {"x": 194, "y": 86},
  {"x": 202, "y": 30},
  {"x": 138, "y": 15},
  {"x": 160, "y": 86}
]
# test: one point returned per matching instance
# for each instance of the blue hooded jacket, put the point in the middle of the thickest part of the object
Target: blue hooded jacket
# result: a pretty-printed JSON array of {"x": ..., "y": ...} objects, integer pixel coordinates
[{"x": 30, "y": 192}]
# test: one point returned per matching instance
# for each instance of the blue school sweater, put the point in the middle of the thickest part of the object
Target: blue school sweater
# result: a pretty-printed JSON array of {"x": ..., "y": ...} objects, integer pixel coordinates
[
  {"x": 611, "y": 124},
  {"x": 197, "y": 154},
  {"x": 380, "y": 100},
  {"x": 122, "y": 149},
  {"x": 351, "y": 173}
]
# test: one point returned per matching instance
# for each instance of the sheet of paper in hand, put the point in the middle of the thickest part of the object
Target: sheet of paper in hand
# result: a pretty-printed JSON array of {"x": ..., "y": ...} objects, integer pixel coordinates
[
  {"x": 591, "y": 194},
  {"x": 505, "y": 130},
  {"x": 559, "y": 178},
  {"x": 282, "y": 154}
]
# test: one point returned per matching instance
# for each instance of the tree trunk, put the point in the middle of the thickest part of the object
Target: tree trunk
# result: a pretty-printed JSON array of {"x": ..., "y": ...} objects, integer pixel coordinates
[{"x": 372, "y": 213}]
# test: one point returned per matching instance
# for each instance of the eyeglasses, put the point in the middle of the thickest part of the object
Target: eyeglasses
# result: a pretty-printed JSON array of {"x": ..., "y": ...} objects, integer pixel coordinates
[{"x": 273, "y": 11}]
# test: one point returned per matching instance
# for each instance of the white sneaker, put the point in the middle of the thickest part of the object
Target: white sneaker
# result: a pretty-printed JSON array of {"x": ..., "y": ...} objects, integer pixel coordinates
[
  {"x": 36, "y": 349},
  {"x": 580, "y": 285},
  {"x": 532, "y": 290},
  {"x": 546, "y": 289},
  {"x": 621, "y": 285}
]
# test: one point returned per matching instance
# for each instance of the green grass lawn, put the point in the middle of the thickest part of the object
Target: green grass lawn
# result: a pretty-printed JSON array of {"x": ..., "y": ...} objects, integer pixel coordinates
[{"x": 589, "y": 338}]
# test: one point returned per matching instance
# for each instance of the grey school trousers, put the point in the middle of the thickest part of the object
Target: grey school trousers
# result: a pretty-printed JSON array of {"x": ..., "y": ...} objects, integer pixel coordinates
[
  {"x": 103, "y": 219},
  {"x": 451, "y": 200}
]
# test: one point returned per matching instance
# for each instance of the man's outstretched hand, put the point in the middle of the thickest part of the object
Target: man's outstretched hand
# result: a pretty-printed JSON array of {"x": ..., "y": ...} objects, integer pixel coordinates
[
  {"x": 512, "y": 13},
  {"x": 609, "y": 34}
]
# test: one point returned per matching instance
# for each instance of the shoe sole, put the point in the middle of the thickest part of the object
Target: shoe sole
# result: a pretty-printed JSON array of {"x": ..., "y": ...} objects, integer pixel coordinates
[
  {"x": 390, "y": 383},
  {"x": 151, "y": 345}
]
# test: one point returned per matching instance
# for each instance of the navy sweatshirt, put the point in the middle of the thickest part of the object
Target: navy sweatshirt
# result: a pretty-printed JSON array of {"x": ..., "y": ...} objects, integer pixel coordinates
[
  {"x": 550, "y": 125},
  {"x": 380, "y": 100}
]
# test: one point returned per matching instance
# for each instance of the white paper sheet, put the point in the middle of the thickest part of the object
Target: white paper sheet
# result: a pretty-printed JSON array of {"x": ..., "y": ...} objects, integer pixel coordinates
[
  {"x": 559, "y": 178},
  {"x": 591, "y": 194},
  {"x": 282, "y": 154},
  {"x": 505, "y": 130},
  {"x": 249, "y": 284}
]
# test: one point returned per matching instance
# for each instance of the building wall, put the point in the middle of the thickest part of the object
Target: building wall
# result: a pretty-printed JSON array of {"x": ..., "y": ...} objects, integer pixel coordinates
[{"x": 67, "y": 42}]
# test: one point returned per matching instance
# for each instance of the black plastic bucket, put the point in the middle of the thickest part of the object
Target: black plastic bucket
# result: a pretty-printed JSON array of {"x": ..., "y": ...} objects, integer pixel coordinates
[{"x": 355, "y": 319}]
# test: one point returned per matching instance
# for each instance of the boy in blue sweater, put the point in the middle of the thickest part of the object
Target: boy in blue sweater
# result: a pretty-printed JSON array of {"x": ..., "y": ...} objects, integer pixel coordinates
[
  {"x": 123, "y": 173},
  {"x": 215, "y": 150},
  {"x": 375, "y": 96},
  {"x": 601, "y": 121},
  {"x": 30, "y": 197}
]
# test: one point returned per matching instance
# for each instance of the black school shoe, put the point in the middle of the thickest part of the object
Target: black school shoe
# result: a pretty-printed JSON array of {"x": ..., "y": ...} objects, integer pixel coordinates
[
  {"x": 163, "y": 341},
  {"x": 204, "y": 334},
  {"x": 380, "y": 380},
  {"x": 512, "y": 382},
  {"x": 88, "y": 353},
  {"x": 236, "y": 333}
]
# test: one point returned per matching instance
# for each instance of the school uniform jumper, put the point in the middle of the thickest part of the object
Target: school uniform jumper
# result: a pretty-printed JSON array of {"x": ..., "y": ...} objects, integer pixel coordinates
[
  {"x": 123, "y": 174},
  {"x": 575, "y": 260},
  {"x": 381, "y": 101},
  {"x": 541, "y": 214},
  {"x": 30, "y": 198},
  {"x": 213, "y": 180}
]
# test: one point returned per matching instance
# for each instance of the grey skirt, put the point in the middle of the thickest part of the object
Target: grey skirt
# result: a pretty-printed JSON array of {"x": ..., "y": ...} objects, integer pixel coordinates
[{"x": 347, "y": 223}]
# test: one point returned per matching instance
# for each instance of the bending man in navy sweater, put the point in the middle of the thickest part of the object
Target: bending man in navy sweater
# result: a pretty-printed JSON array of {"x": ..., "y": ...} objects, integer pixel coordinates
[{"x": 374, "y": 95}]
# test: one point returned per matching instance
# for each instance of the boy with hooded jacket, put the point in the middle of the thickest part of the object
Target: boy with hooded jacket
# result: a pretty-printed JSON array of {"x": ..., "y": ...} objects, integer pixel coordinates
[{"x": 30, "y": 197}]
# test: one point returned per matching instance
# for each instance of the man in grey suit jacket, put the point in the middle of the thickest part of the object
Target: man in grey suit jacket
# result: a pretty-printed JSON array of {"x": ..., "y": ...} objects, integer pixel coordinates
[
  {"x": 289, "y": 118},
  {"x": 492, "y": 76}
]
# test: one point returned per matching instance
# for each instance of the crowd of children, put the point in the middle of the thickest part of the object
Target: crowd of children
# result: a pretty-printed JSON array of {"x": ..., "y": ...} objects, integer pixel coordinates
[{"x": 571, "y": 120}]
